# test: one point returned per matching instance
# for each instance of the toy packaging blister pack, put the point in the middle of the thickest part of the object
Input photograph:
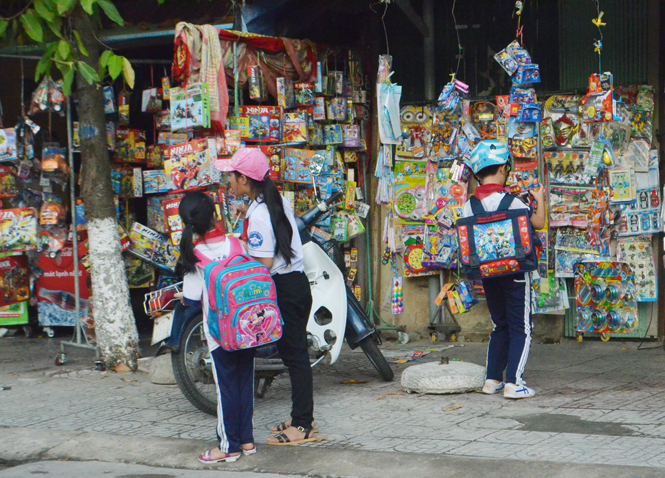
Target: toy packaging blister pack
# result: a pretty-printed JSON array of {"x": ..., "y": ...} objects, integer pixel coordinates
[
  {"x": 445, "y": 197},
  {"x": 413, "y": 237},
  {"x": 410, "y": 199},
  {"x": 638, "y": 251},
  {"x": 416, "y": 122},
  {"x": 605, "y": 297}
]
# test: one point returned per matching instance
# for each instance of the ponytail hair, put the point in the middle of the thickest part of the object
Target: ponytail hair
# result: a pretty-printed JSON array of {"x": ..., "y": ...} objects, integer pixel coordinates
[
  {"x": 197, "y": 212},
  {"x": 280, "y": 223}
]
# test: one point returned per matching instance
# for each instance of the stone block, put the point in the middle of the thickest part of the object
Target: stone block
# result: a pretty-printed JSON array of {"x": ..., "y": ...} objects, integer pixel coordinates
[
  {"x": 161, "y": 371},
  {"x": 435, "y": 378}
]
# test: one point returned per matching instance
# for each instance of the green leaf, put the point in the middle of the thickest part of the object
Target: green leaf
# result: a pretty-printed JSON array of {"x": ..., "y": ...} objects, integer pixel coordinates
[
  {"x": 88, "y": 72},
  {"x": 32, "y": 26},
  {"x": 128, "y": 72},
  {"x": 56, "y": 26},
  {"x": 111, "y": 11},
  {"x": 87, "y": 6},
  {"x": 3, "y": 27},
  {"x": 64, "y": 49},
  {"x": 43, "y": 8},
  {"x": 44, "y": 66},
  {"x": 45, "y": 63},
  {"x": 64, "y": 6},
  {"x": 68, "y": 78},
  {"x": 115, "y": 66},
  {"x": 104, "y": 58},
  {"x": 79, "y": 44}
]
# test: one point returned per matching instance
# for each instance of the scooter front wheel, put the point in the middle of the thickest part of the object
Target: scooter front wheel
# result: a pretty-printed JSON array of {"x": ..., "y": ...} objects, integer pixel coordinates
[
  {"x": 376, "y": 357},
  {"x": 192, "y": 368}
]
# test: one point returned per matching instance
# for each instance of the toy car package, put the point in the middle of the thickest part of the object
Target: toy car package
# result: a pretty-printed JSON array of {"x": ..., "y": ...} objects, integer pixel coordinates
[
  {"x": 497, "y": 243},
  {"x": 190, "y": 164},
  {"x": 153, "y": 247}
]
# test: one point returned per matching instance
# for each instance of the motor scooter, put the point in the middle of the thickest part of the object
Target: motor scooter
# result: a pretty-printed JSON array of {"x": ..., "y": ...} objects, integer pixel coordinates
[{"x": 336, "y": 315}]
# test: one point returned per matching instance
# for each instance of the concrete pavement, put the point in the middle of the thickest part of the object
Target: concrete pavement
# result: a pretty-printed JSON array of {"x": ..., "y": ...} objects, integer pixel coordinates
[{"x": 600, "y": 408}]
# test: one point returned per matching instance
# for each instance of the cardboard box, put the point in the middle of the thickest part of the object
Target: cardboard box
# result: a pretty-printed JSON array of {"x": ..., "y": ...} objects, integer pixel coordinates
[{"x": 190, "y": 165}]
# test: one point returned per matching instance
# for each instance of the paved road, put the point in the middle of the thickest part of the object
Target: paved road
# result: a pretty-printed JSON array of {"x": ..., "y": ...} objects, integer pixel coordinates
[{"x": 597, "y": 404}]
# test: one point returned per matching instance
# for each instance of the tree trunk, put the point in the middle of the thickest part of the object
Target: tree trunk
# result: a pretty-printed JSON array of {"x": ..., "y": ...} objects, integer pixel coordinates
[{"x": 115, "y": 326}]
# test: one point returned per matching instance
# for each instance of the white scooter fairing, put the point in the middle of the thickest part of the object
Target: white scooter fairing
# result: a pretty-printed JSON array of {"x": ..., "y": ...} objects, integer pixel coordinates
[{"x": 329, "y": 293}]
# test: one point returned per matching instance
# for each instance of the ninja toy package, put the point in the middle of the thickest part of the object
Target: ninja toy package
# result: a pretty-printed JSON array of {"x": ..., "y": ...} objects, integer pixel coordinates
[
  {"x": 190, "y": 164},
  {"x": 153, "y": 247}
]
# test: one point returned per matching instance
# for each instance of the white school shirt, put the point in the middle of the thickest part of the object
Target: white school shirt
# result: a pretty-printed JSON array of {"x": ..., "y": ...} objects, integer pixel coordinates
[
  {"x": 194, "y": 286},
  {"x": 491, "y": 204},
  {"x": 261, "y": 237}
]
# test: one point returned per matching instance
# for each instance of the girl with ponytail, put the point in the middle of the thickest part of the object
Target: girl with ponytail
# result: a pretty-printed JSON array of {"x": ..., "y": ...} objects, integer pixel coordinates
[
  {"x": 233, "y": 371},
  {"x": 273, "y": 240}
]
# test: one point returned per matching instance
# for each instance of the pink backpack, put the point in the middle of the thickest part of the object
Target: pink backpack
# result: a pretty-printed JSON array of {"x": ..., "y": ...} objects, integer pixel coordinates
[{"x": 243, "y": 310}]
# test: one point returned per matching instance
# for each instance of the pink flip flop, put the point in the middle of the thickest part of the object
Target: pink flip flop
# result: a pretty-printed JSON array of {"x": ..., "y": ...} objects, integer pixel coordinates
[{"x": 206, "y": 458}]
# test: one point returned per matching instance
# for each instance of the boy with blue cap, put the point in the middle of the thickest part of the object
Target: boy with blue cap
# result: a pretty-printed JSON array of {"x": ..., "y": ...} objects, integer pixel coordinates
[{"x": 508, "y": 297}]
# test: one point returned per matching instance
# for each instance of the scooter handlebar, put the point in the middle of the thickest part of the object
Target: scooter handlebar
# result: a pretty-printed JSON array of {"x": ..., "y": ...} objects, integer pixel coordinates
[{"x": 332, "y": 199}]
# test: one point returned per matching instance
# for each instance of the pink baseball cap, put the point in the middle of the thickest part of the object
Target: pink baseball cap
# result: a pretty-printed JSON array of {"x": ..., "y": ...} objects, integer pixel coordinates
[{"x": 250, "y": 162}]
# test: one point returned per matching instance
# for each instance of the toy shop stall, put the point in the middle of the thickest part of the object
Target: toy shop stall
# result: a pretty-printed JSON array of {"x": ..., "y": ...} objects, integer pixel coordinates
[
  {"x": 304, "y": 105},
  {"x": 595, "y": 264}
]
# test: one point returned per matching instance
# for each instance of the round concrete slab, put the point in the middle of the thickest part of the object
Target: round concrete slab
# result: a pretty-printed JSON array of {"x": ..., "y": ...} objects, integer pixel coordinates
[{"x": 435, "y": 378}]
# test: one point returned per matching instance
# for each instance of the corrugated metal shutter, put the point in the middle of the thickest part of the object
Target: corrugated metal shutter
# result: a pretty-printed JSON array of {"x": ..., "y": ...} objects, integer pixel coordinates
[{"x": 624, "y": 44}]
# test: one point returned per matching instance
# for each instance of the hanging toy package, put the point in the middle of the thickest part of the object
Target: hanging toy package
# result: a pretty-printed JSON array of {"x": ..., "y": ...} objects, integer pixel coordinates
[
  {"x": 605, "y": 297},
  {"x": 123, "y": 108},
  {"x": 397, "y": 300}
]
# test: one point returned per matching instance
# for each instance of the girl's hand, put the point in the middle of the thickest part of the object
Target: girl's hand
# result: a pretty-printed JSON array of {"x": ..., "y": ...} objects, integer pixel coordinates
[
  {"x": 240, "y": 210},
  {"x": 180, "y": 296}
]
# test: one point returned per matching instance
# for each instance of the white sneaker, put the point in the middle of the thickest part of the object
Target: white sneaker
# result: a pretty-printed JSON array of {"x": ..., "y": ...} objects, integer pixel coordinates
[
  {"x": 492, "y": 386},
  {"x": 518, "y": 391}
]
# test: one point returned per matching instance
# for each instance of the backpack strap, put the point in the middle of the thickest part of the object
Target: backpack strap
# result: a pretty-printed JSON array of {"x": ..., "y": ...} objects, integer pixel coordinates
[
  {"x": 236, "y": 250},
  {"x": 236, "y": 247},
  {"x": 476, "y": 206},
  {"x": 202, "y": 258},
  {"x": 506, "y": 202}
]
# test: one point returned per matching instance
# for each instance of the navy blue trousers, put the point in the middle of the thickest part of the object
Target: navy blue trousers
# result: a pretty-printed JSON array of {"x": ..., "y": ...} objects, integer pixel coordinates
[
  {"x": 509, "y": 303},
  {"x": 234, "y": 375}
]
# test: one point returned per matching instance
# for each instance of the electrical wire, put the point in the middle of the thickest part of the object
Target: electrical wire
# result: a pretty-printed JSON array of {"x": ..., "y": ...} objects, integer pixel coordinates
[
  {"x": 385, "y": 30},
  {"x": 459, "y": 43},
  {"x": 646, "y": 332}
]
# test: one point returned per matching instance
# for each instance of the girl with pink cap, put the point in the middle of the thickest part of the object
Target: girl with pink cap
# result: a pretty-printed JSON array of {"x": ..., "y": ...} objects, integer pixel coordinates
[{"x": 273, "y": 239}]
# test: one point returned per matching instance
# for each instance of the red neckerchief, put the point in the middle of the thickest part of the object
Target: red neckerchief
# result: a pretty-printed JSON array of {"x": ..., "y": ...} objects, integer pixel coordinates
[
  {"x": 216, "y": 235},
  {"x": 485, "y": 190}
]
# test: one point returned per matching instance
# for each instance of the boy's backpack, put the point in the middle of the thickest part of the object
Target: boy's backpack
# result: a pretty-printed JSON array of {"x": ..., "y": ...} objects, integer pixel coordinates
[
  {"x": 497, "y": 243},
  {"x": 243, "y": 311}
]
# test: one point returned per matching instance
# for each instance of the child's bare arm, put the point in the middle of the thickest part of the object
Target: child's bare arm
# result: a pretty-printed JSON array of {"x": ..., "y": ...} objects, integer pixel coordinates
[{"x": 538, "y": 217}]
